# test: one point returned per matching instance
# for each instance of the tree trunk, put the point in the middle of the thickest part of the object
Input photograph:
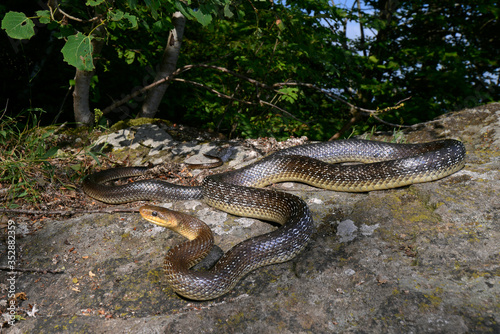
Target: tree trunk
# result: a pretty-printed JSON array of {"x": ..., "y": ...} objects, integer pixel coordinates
[
  {"x": 379, "y": 48},
  {"x": 81, "y": 105},
  {"x": 167, "y": 67}
]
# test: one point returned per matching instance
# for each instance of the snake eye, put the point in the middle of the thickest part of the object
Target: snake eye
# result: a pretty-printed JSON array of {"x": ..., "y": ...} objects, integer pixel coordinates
[{"x": 154, "y": 214}]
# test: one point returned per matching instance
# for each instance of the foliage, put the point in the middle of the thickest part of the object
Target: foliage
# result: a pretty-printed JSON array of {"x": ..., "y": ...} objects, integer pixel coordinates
[
  {"x": 24, "y": 151},
  {"x": 443, "y": 55},
  {"x": 293, "y": 43},
  {"x": 289, "y": 48},
  {"x": 36, "y": 161},
  {"x": 78, "y": 50}
]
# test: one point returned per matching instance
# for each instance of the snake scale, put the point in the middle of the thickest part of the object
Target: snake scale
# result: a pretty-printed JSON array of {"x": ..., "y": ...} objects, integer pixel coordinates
[{"x": 385, "y": 165}]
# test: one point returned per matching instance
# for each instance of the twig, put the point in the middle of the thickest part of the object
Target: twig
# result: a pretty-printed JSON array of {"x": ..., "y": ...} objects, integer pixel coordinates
[
  {"x": 172, "y": 77},
  {"x": 184, "y": 69},
  {"x": 357, "y": 113},
  {"x": 325, "y": 92},
  {"x": 58, "y": 8},
  {"x": 225, "y": 96},
  {"x": 5, "y": 109},
  {"x": 210, "y": 89},
  {"x": 346, "y": 126},
  {"x": 283, "y": 111},
  {"x": 145, "y": 89},
  {"x": 389, "y": 123},
  {"x": 238, "y": 75},
  {"x": 31, "y": 270}
]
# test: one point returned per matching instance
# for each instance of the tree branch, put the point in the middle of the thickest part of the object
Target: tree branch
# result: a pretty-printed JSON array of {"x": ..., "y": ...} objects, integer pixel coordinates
[
  {"x": 172, "y": 77},
  {"x": 225, "y": 96},
  {"x": 55, "y": 7},
  {"x": 167, "y": 66},
  {"x": 144, "y": 89}
]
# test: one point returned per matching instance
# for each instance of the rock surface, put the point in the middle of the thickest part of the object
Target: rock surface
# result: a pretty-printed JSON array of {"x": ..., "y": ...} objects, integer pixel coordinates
[{"x": 423, "y": 258}]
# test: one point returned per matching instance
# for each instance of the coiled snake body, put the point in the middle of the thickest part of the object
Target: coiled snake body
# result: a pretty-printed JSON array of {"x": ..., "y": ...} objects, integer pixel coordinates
[{"x": 386, "y": 166}]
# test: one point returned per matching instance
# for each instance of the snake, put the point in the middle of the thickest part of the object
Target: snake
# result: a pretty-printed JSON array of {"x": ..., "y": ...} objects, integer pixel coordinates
[{"x": 377, "y": 166}]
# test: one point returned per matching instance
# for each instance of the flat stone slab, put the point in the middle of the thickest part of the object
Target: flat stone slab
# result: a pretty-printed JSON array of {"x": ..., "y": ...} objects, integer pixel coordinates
[{"x": 423, "y": 258}]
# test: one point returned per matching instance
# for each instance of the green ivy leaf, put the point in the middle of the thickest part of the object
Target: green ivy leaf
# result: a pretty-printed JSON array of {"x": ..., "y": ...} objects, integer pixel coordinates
[
  {"x": 18, "y": 26},
  {"x": 78, "y": 52}
]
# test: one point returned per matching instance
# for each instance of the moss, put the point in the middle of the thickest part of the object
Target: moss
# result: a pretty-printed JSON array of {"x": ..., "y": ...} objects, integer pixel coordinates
[
  {"x": 433, "y": 303},
  {"x": 127, "y": 153},
  {"x": 127, "y": 123},
  {"x": 154, "y": 276},
  {"x": 235, "y": 319}
]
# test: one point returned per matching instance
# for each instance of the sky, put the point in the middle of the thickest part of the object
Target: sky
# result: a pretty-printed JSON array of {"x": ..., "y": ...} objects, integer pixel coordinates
[{"x": 353, "y": 29}]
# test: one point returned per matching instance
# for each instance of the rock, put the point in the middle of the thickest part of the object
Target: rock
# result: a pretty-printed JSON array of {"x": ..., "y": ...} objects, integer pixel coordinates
[{"x": 423, "y": 258}]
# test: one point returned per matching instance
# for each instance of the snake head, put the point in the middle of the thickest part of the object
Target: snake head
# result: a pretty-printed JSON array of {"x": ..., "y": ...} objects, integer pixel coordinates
[
  {"x": 188, "y": 226},
  {"x": 159, "y": 216}
]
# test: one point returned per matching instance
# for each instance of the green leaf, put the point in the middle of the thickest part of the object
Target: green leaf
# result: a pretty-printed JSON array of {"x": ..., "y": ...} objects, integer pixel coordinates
[
  {"x": 204, "y": 19},
  {"x": 76, "y": 167},
  {"x": 18, "y": 26},
  {"x": 51, "y": 152},
  {"x": 132, "y": 19},
  {"x": 43, "y": 16},
  {"x": 78, "y": 52},
  {"x": 115, "y": 15},
  {"x": 94, "y": 2},
  {"x": 47, "y": 134},
  {"x": 203, "y": 14},
  {"x": 290, "y": 94},
  {"x": 132, "y": 3},
  {"x": 69, "y": 186},
  {"x": 129, "y": 56},
  {"x": 125, "y": 20},
  {"x": 184, "y": 9},
  {"x": 227, "y": 12},
  {"x": 94, "y": 157}
]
